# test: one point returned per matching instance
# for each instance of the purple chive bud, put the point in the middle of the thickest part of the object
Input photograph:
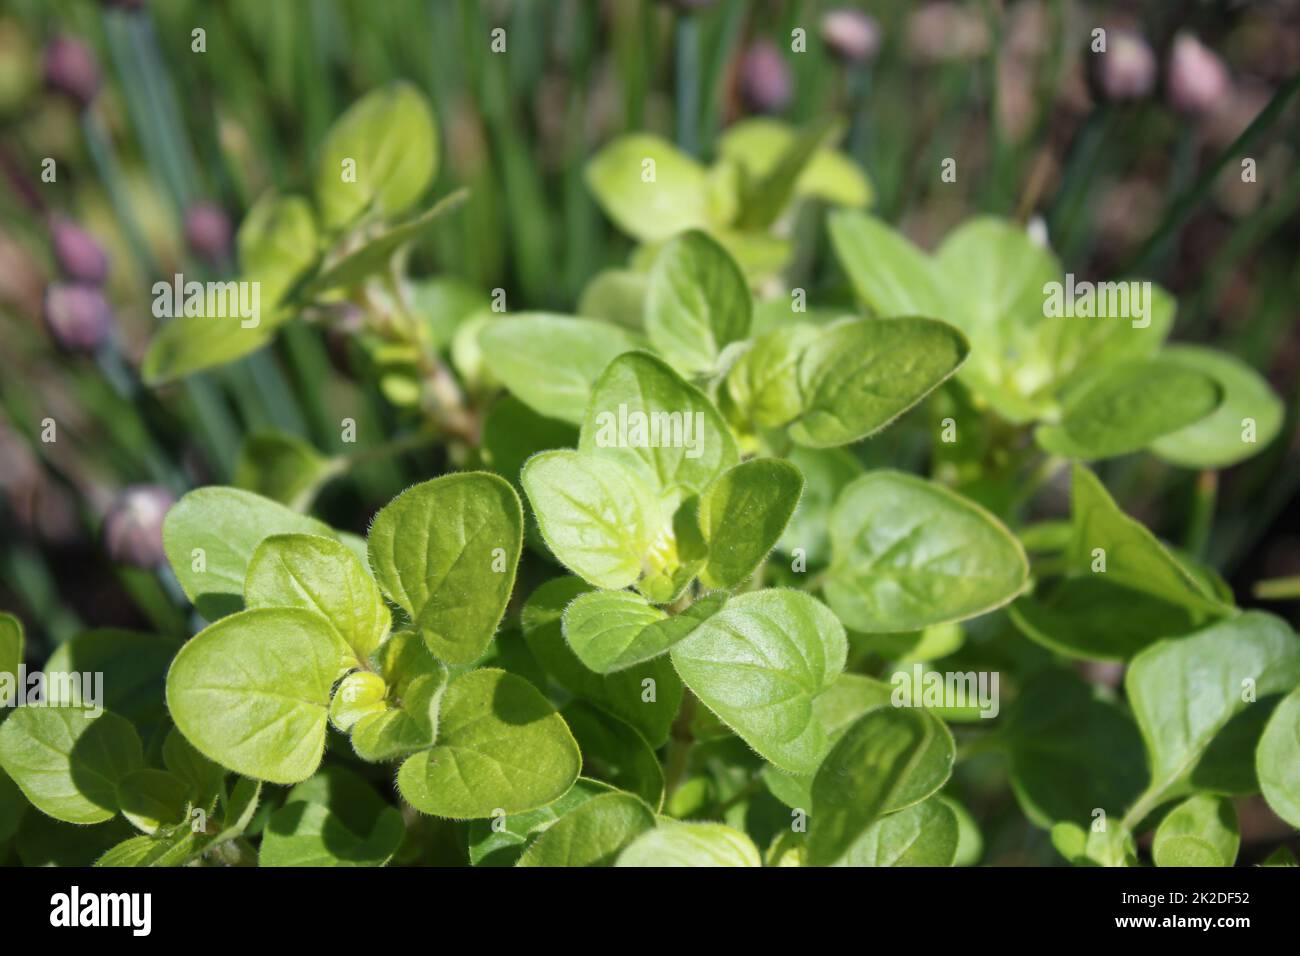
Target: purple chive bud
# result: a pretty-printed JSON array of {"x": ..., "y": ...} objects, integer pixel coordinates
[
  {"x": 207, "y": 230},
  {"x": 850, "y": 35},
  {"x": 765, "y": 82},
  {"x": 79, "y": 256},
  {"x": 1125, "y": 72},
  {"x": 133, "y": 526},
  {"x": 70, "y": 68},
  {"x": 77, "y": 315},
  {"x": 1197, "y": 80}
]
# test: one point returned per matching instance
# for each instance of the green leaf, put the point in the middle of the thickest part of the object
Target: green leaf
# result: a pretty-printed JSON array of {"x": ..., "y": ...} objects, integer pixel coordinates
[
  {"x": 1277, "y": 760},
  {"x": 648, "y": 187},
  {"x": 1111, "y": 846},
  {"x": 970, "y": 842},
  {"x": 758, "y": 144},
  {"x": 617, "y": 296},
  {"x": 501, "y": 747},
  {"x": 391, "y": 139},
  {"x": 68, "y": 761},
  {"x": 596, "y": 515},
  {"x": 860, "y": 375},
  {"x": 764, "y": 382},
  {"x": 1122, "y": 408},
  {"x": 251, "y": 691},
  {"x": 333, "y": 819},
  {"x": 768, "y": 195},
  {"x": 1132, "y": 555},
  {"x": 697, "y": 302},
  {"x": 759, "y": 664},
  {"x": 890, "y": 274},
  {"x": 1200, "y": 831},
  {"x": 593, "y": 834},
  {"x": 743, "y": 515},
  {"x": 906, "y": 647},
  {"x": 445, "y": 551},
  {"x": 210, "y": 536},
  {"x": 151, "y": 799},
  {"x": 924, "y": 834},
  {"x": 445, "y": 303},
  {"x": 374, "y": 256},
  {"x": 192, "y": 343},
  {"x": 513, "y": 433},
  {"x": 1063, "y": 349},
  {"x": 1071, "y": 751},
  {"x": 12, "y": 808},
  {"x": 550, "y": 362},
  {"x": 995, "y": 280},
  {"x": 134, "y": 668},
  {"x": 836, "y": 709},
  {"x": 398, "y": 713},
  {"x": 1186, "y": 693},
  {"x": 322, "y": 575},
  {"x": 501, "y": 841},
  {"x": 201, "y": 777},
  {"x": 276, "y": 243},
  {"x": 1094, "y": 618},
  {"x": 888, "y": 760},
  {"x": 11, "y": 657},
  {"x": 691, "y": 844},
  {"x": 1282, "y": 856},
  {"x": 646, "y": 696},
  {"x": 1223, "y": 437},
  {"x": 140, "y": 850},
  {"x": 644, "y": 416},
  {"x": 908, "y": 553},
  {"x": 283, "y": 468},
  {"x": 615, "y": 751},
  {"x": 613, "y": 630}
]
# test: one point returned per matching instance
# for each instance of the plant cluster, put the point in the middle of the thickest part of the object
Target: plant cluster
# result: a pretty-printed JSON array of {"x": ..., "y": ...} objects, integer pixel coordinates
[{"x": 660, "y": 610}]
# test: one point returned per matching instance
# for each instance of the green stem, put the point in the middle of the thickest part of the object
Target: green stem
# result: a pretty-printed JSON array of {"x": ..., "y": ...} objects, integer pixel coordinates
[
  {"x": 1047, "y": 469},
  {"x": 1151, "y": 798},
  {"x": 1202, "y": 517},
  {"x": 1278, "y": 589},
  {"x": 688, "y": 84},
  {"x": 679, "y": 745}
]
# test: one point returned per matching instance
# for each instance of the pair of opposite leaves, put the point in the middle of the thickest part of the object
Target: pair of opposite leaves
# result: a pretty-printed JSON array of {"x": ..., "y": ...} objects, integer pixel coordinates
[
  {"x": 829, "y": 386},
  {"x": 253, "y": 690},
  {"x": 389, "y": 141},
  {"x": 1100, "y": 387}
]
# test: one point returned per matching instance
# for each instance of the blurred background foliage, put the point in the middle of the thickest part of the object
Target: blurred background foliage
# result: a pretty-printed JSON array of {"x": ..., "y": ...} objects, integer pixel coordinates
[{"x": 1132, "y": 170}]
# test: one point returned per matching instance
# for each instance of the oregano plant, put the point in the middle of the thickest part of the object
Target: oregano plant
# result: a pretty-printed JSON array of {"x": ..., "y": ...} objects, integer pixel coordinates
[{"x": 704, "y": 578}]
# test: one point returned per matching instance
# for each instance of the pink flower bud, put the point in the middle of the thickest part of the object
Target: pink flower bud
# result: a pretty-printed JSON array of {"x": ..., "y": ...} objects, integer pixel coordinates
[
  {"x": 133, "y": 526},
  {"x": 207, "y": 231},
  {"x": 70, "y": 68},
  {"x": 765, "y": 82},
  {"x": 850, "y": 34},
  {"x": 1197, "y": 80},
  {"x": 1125, "y": 72},
  {"x": 77, "y": 315},
  {"x": 78, "y": 254}
]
